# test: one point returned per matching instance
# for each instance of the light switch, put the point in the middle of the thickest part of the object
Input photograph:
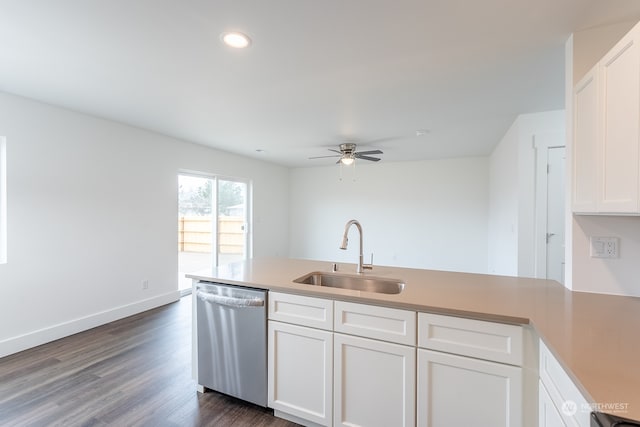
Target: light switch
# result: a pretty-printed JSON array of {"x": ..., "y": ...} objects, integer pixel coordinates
[{"x": 604, "y": 247}]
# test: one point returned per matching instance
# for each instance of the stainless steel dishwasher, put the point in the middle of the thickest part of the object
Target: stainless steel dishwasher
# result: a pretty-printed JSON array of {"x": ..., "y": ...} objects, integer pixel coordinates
[{"x": 232, "y": 340}]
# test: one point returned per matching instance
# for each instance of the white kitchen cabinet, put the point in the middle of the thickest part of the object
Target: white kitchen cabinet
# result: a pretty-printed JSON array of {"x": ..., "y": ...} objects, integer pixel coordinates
[
  {"x": 300, "y": 310},
  {"x": 300, "y": 372},
  {"x": 469, "y": 372},
  {"x": 497, "y": 342},
  {"x": 374, "y": 365},
  {"x": 456, "y": 390},
  {"x": 585, "y": 146},
  {"x": 300, "y": 358},
  {"x": 548, "y": 414},
  {"x": 374, "y": 382},
  {"x": 607, "y": 133},
  {"x": 357, "y": 365},
  {"x": 564, "y": 394},
  {"x": 380, "y": 323},
  {"x": 619, "y": 73}
]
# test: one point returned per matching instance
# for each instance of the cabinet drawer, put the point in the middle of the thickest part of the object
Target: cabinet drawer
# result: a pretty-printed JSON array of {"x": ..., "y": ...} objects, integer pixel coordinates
[
  {"x": 475, "y": 338},
  {"x": 301, "y": 310},
  {"x": 573, "y": 407},
  {"x": 381, "y": 323}
]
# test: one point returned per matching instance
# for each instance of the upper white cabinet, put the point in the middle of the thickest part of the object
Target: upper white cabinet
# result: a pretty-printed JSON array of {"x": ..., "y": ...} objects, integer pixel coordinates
[
  {"x": 585, "y": 144},
  {"x": 620, "y": 100},
  {"x": 606, "y": 151}
]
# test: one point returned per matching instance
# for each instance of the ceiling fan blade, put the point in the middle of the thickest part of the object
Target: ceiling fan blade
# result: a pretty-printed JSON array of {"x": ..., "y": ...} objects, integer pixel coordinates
[
  {"x": 370, "y": 152},
  {"x": 323, "y": 157},
  {"x": 371, "y": 159},
  {"x": 335, "y": 151}
]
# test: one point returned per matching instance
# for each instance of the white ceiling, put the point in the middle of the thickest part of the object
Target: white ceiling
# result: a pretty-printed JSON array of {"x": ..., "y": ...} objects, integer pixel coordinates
[{"x": 318, "y": 72}]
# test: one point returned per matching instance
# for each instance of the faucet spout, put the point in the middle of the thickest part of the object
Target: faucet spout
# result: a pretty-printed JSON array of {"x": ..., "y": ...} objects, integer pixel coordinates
[{"x": 345, "y": 240}]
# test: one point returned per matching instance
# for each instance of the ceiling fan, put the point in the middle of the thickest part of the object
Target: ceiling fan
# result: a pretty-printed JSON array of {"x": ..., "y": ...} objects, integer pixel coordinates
[{"x": 348, "y": 154}]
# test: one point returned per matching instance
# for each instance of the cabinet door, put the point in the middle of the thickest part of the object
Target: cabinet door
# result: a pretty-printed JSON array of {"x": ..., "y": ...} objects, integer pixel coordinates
[
  {"x": 562, "y": 390},
  {"x": 462, "y": 391},
  {"x": 300, "y": 372},
  {"x": 374, "y": 383},
  {"x": 548, "y": 415},
  {"x": 585, "y": 143},
  {"x": 620, "y": 101}
]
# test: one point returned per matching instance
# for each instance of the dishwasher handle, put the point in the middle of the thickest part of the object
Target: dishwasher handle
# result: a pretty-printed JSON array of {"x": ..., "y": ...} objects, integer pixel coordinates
[{"x": 230, "y": 301}]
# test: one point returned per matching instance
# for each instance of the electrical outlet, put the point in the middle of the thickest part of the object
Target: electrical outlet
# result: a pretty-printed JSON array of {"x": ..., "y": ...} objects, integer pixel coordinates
[
  {"x": 604, "y": 247},
  {"x": 145, "y": 284}
]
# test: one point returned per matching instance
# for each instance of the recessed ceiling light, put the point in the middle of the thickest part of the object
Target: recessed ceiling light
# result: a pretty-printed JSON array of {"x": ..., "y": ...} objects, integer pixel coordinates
[
  {"x": 422, "y": 132},
  {"x": 236, "y": 40}
]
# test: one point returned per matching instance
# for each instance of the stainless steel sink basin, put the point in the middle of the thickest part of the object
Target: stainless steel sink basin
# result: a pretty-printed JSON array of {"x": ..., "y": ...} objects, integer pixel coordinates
[{"x": 358, "y": 283}]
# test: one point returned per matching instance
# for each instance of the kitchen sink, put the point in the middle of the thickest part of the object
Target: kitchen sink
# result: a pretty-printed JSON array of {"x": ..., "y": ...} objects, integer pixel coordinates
[{"x": 357, "y": 283}]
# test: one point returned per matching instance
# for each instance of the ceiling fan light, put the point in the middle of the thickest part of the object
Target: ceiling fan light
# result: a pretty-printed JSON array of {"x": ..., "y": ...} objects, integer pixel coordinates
[{"x": 347, "y": 160}]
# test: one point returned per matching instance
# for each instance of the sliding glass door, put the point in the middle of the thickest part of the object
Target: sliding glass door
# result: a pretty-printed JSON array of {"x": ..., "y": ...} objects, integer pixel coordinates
[
  {"x": 232, "y": 221},
  {"x": 213, "y": 223}
]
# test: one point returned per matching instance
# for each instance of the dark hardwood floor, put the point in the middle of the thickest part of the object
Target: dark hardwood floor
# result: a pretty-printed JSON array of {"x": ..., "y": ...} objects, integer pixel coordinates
[{"x": 133, "y": 372}]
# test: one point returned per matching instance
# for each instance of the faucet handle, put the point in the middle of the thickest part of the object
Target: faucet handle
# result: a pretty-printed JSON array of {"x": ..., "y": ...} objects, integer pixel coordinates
[{"x": 368, "y": 266}]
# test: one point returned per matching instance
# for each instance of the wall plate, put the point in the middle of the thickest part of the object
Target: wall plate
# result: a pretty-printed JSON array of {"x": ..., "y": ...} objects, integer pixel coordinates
[{"x": 604, "y": 247}]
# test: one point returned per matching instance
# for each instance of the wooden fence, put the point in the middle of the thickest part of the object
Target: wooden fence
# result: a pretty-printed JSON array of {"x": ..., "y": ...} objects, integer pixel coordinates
[{"x": 195, "y": 234}]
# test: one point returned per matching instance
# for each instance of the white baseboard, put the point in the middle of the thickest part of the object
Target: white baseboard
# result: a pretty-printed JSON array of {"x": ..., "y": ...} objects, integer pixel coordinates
[{"x": 61, "y": 330}]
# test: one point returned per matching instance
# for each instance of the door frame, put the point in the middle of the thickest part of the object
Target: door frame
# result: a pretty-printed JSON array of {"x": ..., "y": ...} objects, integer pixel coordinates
[
  {"x": 248, "y": 224},
  {"x": 542, "y": 145},
  {"x": 248, "y": 234}
]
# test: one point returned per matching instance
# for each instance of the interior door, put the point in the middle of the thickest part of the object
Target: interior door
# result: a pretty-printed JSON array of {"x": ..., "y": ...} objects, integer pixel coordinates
[{"x": 555, "y": 213}]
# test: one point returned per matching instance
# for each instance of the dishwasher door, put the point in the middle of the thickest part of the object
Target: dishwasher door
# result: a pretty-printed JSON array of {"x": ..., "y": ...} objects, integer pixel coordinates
[{"x": 232, "y": 340}]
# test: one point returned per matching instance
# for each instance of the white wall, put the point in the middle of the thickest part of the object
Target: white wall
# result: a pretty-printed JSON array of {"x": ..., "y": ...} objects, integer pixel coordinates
[
  {"x": 92, "y": 210},
  {"x": 3, "y": 200},
  {"x": 512, "y": 172},
  {"x": 423, "y": 214},
  {"x": 613, "y": 276},
  {"x": 503, "y": 205}
]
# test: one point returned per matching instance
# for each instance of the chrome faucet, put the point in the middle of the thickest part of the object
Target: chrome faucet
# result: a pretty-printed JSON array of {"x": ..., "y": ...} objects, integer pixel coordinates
[{"x": 361, "y": 266}]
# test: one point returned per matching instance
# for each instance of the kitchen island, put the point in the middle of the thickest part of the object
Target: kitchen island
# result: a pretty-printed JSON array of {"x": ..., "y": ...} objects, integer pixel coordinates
[{"x": 593, "y": 336}]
